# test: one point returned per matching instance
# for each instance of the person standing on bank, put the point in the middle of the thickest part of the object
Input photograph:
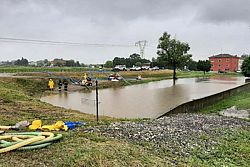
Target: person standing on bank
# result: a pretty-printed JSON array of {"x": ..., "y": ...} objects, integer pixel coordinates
[
  {"x": 51, "y": 84},
  {"x": 60, "y": 85},
  {"x": 65, "y": 83}
]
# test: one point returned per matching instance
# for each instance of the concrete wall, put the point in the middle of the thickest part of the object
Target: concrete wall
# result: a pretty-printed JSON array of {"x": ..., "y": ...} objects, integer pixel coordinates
[{"x": 198, "y": 104}]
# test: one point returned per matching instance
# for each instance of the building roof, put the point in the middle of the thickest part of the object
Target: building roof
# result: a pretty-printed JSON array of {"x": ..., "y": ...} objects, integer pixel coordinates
[{"x": 223, "y": 56}]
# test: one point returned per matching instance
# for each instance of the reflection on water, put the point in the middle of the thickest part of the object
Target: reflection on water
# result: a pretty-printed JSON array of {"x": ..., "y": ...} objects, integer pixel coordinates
[{"x": 146, "y": 100}]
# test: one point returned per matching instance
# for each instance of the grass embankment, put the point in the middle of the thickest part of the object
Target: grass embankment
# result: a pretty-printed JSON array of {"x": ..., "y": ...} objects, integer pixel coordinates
[
  {"x": 77, "y": 148},
  {"x": 240, "y": 100},
  {"x": 129, "y": 76}
]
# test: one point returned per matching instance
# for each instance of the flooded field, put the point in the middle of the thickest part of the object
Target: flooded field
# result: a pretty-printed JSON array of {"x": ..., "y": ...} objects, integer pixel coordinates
[{"x": 145, "y": 100}]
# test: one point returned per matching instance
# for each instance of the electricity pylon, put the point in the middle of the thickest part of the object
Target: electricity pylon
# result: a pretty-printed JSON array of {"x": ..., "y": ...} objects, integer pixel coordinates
[{"x": 142, "y": 45}]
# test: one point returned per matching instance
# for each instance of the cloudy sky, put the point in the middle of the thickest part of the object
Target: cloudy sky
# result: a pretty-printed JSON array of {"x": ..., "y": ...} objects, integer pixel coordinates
[{"x": 210, "y": 27}]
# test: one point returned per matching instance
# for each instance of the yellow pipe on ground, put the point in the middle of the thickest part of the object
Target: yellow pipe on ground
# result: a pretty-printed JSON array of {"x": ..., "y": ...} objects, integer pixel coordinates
[
  {"x": 21, "y": 137},
  {"x": 23, "y": 143},
  {"x": 13, "y": 137},
  {"x": 49, "y": 134},
  {"x": 5, "y": 127},
  {"x": 5, "y": 137}
]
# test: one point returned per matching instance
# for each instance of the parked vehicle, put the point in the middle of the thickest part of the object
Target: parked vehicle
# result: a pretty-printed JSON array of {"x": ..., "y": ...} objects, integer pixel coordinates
[
  {"x": 155, "y": 68},
  {"x": 87, "y": 82},
  {"x": 145, "y": 68},
  {"x": 120, "y": 68},
  {"x": 135, "y": 68},
  {"x": 114, "y": 77}
]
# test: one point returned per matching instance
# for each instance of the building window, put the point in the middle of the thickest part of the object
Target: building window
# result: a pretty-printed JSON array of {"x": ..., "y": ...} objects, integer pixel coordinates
[
  {"x": 228, "y": 60},
  {"x": 219, "y": 65}
]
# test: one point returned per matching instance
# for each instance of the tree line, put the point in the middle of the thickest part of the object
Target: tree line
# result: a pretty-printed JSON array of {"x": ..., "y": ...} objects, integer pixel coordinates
[
  {"x": 45, "y": 62},
  {"x": 133, "y": 60}
]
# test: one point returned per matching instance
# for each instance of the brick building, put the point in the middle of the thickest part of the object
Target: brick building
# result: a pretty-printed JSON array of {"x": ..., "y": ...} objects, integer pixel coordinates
[{"x": 224, "y": 62}]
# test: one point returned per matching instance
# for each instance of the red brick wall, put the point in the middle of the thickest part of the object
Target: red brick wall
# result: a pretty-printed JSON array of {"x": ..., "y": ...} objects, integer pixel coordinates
[{"x": 224, "y": 63}]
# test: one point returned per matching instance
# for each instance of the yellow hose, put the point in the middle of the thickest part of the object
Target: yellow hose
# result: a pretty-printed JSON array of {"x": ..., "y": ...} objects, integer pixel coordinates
[
  {"x": 5, "y": 127},
  {"x": 23, "y": 143},
  {"x": 16, "y": 139},
  {"x": 21, "y": 137},
  {"x": 5, "y": 137},
  {"x": 13, "y": 137},
  {"x": 49, "y": 134},
  {"x": 27, "y": 140}
]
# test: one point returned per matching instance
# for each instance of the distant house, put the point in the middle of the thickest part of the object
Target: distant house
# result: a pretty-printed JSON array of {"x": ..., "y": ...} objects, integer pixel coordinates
[
  {"x": 33, "y": 63},
  {"x": 224, "y": 62},
  {"x": 58, "y": 62}
]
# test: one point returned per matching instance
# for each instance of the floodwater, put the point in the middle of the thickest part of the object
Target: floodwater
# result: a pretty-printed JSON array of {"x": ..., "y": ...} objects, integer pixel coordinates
[{"x": 148, "y": 100}]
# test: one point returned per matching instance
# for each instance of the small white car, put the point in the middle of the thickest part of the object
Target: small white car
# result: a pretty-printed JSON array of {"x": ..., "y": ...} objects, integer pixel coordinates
[
  {"x": 155, "y": 68},
  {"x": 135, "y": 68}
]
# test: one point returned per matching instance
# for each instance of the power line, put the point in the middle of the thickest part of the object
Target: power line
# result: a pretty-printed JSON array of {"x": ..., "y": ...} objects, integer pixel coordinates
[{"x": 49, "y": 42}]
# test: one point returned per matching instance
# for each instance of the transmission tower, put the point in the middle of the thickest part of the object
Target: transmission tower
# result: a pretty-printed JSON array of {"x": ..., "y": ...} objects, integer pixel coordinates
[{"x": 142, "y": 45}]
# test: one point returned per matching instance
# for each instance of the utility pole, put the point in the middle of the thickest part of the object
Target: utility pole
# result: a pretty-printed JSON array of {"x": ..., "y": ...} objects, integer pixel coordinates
[{"x": 142, "y": 45}]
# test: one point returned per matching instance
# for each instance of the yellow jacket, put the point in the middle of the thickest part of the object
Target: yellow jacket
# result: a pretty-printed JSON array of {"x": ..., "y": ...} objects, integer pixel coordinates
[{"x": 51, "y": 84}]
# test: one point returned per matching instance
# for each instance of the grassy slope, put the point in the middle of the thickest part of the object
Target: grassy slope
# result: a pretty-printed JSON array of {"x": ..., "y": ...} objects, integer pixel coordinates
[
  {"x": 241, "y": 101},
  {"x": 82, "y": 149}
]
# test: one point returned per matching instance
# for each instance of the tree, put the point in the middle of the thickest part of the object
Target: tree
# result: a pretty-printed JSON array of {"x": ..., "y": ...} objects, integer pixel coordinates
[
  {"x": 245, "y": 68},
  {"x": 58, "y": 64},
  {"x": 135, "y": 56},
  {"x": 129, "y": 62},
  {"x": 204, "y": 65},
  {"x": 70, "y": 63},
  {"x": 108, "y": 64},
  {"x": 77, "y": 64},
  {"x": 22, "y": 62},
  {"x": 192, "y": 65},
  {"x": 138, "y": 64},
  {"x": 244, "y": 56},
  {"x": 173, "y": 51},
  {"x": 119, "y": 61}
]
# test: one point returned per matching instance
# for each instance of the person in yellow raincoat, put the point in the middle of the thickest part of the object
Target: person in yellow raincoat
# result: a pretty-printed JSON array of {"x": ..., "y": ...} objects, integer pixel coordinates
[
  {"x": 84, "y": 81},
  {"x": 51, "y": 84}
]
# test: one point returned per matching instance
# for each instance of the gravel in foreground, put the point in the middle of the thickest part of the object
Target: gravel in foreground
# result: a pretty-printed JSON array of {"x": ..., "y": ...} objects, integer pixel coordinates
[{"x": 180, "y": 134}]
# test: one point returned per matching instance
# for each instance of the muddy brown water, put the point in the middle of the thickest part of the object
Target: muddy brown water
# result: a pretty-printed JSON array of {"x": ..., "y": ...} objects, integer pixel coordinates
[{"x": 148, "y": 100}]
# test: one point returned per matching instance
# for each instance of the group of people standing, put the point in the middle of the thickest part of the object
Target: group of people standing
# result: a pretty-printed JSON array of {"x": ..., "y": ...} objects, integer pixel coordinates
[{"x": 61, "y": 84}]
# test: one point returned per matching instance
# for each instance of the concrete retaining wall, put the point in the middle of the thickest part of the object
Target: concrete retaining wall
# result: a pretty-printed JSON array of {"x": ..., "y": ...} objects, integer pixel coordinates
[{"x": 198, "y": 104}]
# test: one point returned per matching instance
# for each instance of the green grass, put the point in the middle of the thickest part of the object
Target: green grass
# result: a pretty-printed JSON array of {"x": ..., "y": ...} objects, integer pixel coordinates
[
  {"x": 240, "y": 100},
  {"x": 233, "y": 150}
]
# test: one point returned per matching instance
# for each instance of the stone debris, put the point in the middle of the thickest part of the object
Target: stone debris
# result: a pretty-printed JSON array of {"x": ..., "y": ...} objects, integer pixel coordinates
[
  {"x": 179, "y": 134},
  {"x": 233, "y": 112}
]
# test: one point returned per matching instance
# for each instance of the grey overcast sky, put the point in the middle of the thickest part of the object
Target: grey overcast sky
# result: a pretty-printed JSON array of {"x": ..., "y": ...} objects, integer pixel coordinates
[{"x": 209, "y": 26}]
